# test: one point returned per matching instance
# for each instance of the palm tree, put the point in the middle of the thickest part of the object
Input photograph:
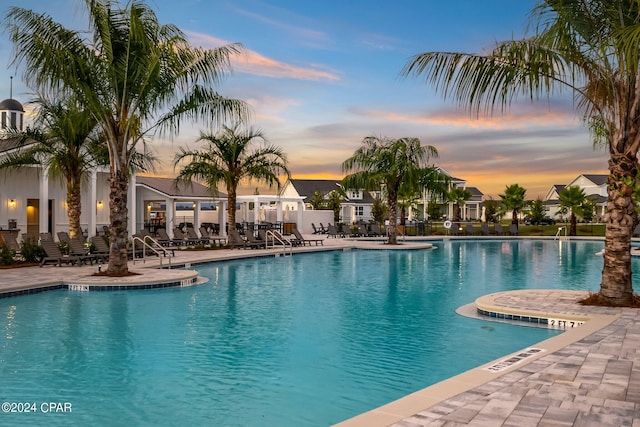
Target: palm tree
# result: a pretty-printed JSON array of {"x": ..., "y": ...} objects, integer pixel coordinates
[
  {"x": 513, "y": 200},
  {"x": 135, "y": 76},
  {"x": 591, "y": 49},
  {"x": 572, "y": 198},
  {"x": 459, "y": 197},
  {"x": 398, "y": 165},
  {"x": 65, "y": 142},
  {"x": 228, "y": 159}
]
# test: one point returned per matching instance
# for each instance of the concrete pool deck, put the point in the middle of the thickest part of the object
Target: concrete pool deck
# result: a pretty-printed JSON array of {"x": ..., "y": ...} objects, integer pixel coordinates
[{"x": 587, "y": 376}]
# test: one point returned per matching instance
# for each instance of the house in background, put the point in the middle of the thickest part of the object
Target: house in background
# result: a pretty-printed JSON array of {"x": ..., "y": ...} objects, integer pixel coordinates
[
  {"x": 593, "y": 185},
  {"x": 357, "y": 204},
  {"x": 472, "y": 209},
  {"x": 33, "y": 202}
]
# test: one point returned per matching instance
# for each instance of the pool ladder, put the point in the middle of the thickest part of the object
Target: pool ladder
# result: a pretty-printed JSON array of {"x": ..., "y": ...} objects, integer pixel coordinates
[
  {"x": 559, "y": 235},
  {"x": 285, "y": 243},
  {"x": 156, "y": 247}
]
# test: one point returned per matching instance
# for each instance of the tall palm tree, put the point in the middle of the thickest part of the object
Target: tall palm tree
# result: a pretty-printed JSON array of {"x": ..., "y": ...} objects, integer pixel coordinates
[
  {"x": 64, "y": 141},
  {"x": 513, "y": 200},
  {"x": 228, "y": 159},
  {"x": 459, "y": 197},
  {"x": 591, "y": 49},
  {"x": 135, "y": 76},
  {"x": 398, "y": 165},
  {"x": 572, "y": 198}
]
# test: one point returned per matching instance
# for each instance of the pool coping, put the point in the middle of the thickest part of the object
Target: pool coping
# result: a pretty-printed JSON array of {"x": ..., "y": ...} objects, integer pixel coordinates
[{"x": 414, "y": 403}]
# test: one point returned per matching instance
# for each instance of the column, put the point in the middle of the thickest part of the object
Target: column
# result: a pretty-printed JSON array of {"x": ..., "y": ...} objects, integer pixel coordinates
[
  {"x": 93, "y": 177},
  {"x": 169, "y": 209},
  {"x": 300, "y": 217},
  {"x": 196, "y": 214},
  {"x": 44, "y": 201},
  {"x": 222, "y": 217}
]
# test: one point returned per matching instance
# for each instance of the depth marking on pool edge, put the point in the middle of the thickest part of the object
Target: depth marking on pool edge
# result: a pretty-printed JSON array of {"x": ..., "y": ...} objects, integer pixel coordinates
[{"x": 513, "y": 360}]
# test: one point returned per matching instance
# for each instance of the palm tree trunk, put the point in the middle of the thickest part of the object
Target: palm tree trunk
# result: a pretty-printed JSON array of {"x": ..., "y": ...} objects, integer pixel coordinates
[
  {"x": 573, "y": 227},
  {"x": 231, "y": 209},
  {"x": 620, "y": 219},
  {"x": 392, "y": 200},
  {"x": 118, "y": 216},
  {"x": 74, "y": 206}
]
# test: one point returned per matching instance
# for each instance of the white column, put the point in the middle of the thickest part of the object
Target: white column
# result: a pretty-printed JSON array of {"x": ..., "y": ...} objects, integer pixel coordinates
[
  {"x": 196, "y": 214},
  {"x": 256, "y": 210},
  {"x": 222, "y": 217},
  {"x": 93, "y": 177},
  {"x": 131, "y": 205},
  {"x": 299, "y": 224},
  {"x": 44, "y": 201},
  {"x": 279, "y": 212},
  {"x": 169, "y": 208}
]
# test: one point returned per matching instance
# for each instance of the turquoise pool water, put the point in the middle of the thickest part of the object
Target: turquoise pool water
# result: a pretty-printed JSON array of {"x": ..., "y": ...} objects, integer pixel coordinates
[{"x": 307, "y": 340}]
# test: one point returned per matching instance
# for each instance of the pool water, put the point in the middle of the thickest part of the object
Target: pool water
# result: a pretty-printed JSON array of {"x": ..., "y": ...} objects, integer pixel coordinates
[{"x": 308, "y": 340}]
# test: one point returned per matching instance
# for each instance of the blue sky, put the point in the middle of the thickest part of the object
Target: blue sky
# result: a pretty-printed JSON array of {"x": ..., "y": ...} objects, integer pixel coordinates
[{"x": 320, "y": 76}]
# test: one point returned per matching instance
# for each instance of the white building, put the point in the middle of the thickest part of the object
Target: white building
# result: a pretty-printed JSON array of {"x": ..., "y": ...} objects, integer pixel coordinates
[{"x": 593, "y": 185}]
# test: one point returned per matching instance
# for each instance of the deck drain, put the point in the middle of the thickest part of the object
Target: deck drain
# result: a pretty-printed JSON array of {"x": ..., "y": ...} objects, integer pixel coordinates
[{"x": 513, "y": 360}]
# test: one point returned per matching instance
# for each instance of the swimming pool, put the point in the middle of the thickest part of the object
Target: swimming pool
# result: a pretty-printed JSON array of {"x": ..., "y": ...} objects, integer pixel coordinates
[{"x": 307, "y": 340}]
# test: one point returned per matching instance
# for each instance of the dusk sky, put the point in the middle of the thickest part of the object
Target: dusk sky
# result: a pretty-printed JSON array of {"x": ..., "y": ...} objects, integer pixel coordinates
[{"x": 320, "y": 76}]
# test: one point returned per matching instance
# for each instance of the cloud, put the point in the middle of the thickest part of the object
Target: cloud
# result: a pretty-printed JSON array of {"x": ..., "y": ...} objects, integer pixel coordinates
[
  {"x": 252, "y": 62},
  {"x": 296, "y": 32},
  {"x": 521, "y": 117}
]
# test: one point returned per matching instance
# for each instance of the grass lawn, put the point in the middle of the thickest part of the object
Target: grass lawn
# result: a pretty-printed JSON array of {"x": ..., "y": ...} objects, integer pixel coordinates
[{"x": 596, "y": 230}]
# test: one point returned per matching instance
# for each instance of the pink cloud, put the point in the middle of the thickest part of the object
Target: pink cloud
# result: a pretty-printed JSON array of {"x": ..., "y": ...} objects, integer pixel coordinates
[{"x": 252, "y": 62}]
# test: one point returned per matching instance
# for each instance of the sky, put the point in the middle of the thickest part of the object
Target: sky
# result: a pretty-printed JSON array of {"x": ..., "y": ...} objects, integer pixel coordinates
[{"x": 321, "y": 76}]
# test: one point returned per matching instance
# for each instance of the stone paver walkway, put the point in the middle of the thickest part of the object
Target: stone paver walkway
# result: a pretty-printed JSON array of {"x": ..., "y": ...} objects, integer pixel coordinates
[{"x": 594, "y": 381}]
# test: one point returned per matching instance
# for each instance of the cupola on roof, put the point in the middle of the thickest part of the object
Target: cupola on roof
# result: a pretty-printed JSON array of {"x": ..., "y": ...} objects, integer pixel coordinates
[{"x": 11, "y": 105}]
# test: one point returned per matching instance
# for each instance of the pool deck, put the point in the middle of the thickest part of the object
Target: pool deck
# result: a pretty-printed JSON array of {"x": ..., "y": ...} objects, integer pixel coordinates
[{"x": 586, "y": 376}]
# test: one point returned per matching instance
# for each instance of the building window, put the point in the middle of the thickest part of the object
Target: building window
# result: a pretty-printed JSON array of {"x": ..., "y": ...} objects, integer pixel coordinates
[
  {"x": 4, "y": 120},
  {"x": 14, "y": 121},
  {"x": 359, "y": 212}
]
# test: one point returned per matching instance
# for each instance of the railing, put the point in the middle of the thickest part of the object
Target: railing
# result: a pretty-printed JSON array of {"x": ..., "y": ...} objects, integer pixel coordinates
[
  {"x": 157, "y": 249},
  {"x": 282, "y": 242},
  {"x": 559, "y": 234}
]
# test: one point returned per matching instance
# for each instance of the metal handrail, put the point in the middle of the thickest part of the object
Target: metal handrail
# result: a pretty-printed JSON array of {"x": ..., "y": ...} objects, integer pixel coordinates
[
  {"x": 160, "y": 253},
  {"x": 284, "y": 243},
  {"x": 559, "y": 235}
]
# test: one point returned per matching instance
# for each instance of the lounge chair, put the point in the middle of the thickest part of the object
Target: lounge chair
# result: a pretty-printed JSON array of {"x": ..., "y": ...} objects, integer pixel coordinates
[
  {"x": 12, "y": 243},
  {"x": 237, "y": 241},
  {"x": 46, "y": 236},
  {"x": 455, "y": 229},
  {"x": 333, "y": 232},
  {"x": 78, "y": 249},
  {"x": 192, "y": 236},
  {"x": 470, "y": 230},
  {"x": 498, "y": 229},
  {"x": 212, "y": 238},
  {"x": 374, "y": 230},
  {"x": 100, "y": 246},
  {"x": 63, "y": 237},
  {"x": 484, "y": 229},
  {"x": 301, "y": 241},
  {"x": 255, "y": 242},
  {"x": 179, "y": 235},
  {"x": 315, "y": 230},
  {"x": 55, "y": 256},
  {"x": 513, "y": 229},
  {"x": 165, "y": 240}
]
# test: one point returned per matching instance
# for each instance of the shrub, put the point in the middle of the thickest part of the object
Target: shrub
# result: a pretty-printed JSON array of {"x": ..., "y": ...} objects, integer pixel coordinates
[
  {"x": 6, "y": 255},
  {"x": 31, "y": 251}
]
